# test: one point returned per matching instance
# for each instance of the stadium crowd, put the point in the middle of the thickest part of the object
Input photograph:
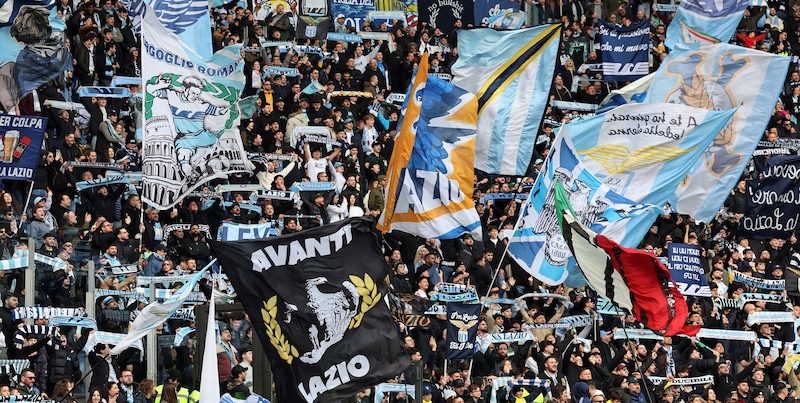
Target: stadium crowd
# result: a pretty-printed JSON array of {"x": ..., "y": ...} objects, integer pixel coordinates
[{"x": 108, "y": 225}]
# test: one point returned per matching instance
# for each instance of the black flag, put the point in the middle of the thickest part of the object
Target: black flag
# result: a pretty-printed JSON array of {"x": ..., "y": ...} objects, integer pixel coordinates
[{"x": 316, "y": 301}]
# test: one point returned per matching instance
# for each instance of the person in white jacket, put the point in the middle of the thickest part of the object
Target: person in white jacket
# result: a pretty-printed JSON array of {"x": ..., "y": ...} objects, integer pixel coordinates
[
  {"x": 337, "y": 210},
  {"x": 265, "y": 179}
]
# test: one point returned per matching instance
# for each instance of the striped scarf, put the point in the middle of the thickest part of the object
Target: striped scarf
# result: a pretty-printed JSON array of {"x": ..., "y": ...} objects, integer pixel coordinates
[
  {"x": 25, "y": 330},
  {"x": 750, "y": 281},
  {"x": 699, "y": 380},
  {"x": 19, "y": 260},
  {"x": 43, "y": 312}
]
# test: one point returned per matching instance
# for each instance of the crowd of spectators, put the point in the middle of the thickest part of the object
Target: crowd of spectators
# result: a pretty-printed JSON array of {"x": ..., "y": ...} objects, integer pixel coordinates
[{"x": 108, "y": 225}]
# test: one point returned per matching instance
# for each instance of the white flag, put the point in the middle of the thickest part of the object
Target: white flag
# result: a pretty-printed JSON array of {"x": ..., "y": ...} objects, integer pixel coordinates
[
  {"x": 209, "y": 385},
  {"x": 156, "y": 313}
]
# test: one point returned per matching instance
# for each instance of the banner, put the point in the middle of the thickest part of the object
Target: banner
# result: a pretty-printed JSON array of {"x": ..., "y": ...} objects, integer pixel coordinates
[
  {"x": 231, "y": 231},
  {"x": 686, "y": 270},
  {"x": 720, "y": 77},
  {"x": 357, "y": 12},
  {"x": 315, "y": 299},
  {"x": 191, "y": 119},
  {"x": 34, "y": 49},
  {"x": 511, "y": 73},
  {"x": 21, "y": 138},
  {"x": 430, "y": 175},
  {"x": 698, "y": 21},
  {"x": 537, "y": 244},
  {"x": 624, "y": 50},
  {"x": 443, "y": 14},
  {"x": 462, "y": 328},
  {"x": 773, "y": 201}
]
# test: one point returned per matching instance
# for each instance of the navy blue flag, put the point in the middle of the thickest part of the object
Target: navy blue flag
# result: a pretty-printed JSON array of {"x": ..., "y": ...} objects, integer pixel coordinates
[
  {"x": 624, "y": 50},
  {"x": 686, "y": 270},
  {"x": 462, "y": 328},
  {"x": 772, "y": 201},
  {"x": 443, "y": 14},
  {"x": 21, "y": 138}
]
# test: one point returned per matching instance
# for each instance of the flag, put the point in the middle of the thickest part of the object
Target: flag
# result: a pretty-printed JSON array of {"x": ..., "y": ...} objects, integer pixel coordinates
[
  {"x": 21, "y": 138},
  {"x": 156, "y": 313},
  {"x": 635, "y": 92},
  {"x": 33, "y": 53},
  {"x": 537, "y": 245},
  {"x": 720, "y": 77},
  {"x": 511, "y": 73},
  {"x": 630, "y": 278},
  {"x": 429, "y": 178},
  {"x": 191, "y": 117},
  {"x": 209, "y": 391},
  {"x": 313, "y": 27},
  {"x": 624, "y": 50},
  {"x": 772, "y": 209},
  {"x": 188, "y": 19},
  {"x": 462, "y": 329},
  {"x": 699, "y": 21},
  {"x": 643, "y": 151},
  {"x": 315, "y": 300}
]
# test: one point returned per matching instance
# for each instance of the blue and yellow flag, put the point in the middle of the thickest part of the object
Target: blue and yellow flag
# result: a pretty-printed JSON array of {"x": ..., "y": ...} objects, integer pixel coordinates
[{"x": 429, "y": 179}]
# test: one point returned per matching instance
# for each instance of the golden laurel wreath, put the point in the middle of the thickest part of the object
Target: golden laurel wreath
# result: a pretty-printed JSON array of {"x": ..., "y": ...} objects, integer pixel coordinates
[
  {"x": 366, "y": 288},
  {"x": 370, "y": 296},
  {"x": 269, "y": 313}
]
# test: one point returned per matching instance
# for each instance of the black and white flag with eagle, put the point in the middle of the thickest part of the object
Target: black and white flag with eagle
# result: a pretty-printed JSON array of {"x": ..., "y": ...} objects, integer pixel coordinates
[{"x": 316, "y": 302}]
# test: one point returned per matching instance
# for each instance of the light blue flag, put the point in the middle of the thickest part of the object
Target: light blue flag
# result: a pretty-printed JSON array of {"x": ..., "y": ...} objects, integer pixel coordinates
[
  {"x": 635, "y": 92},
  {"x": 643, "y": 151},
  {"x": 719, "y": 77},
  {"x": 313, "y": 87},
  {"x": 705, "y": 21},
  {"x": 511, "y": 73},
  {"x": 537, "y": 243},
  {"x": 189, "y": 19}
]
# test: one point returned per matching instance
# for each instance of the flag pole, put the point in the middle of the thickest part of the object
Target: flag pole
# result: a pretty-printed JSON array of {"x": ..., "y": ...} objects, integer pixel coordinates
[
  {"x": 505, "y": 251},
  {"x": 25, "y": 207},
  {"x": 78, "y": 382},
  {"x": 636, "y": 361}
]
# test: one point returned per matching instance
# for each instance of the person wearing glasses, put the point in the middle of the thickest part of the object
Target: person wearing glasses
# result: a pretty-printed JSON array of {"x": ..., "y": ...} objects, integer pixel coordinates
[
  {"x": 7, "y": 244},
  {"x": 26, "y": 386}
]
